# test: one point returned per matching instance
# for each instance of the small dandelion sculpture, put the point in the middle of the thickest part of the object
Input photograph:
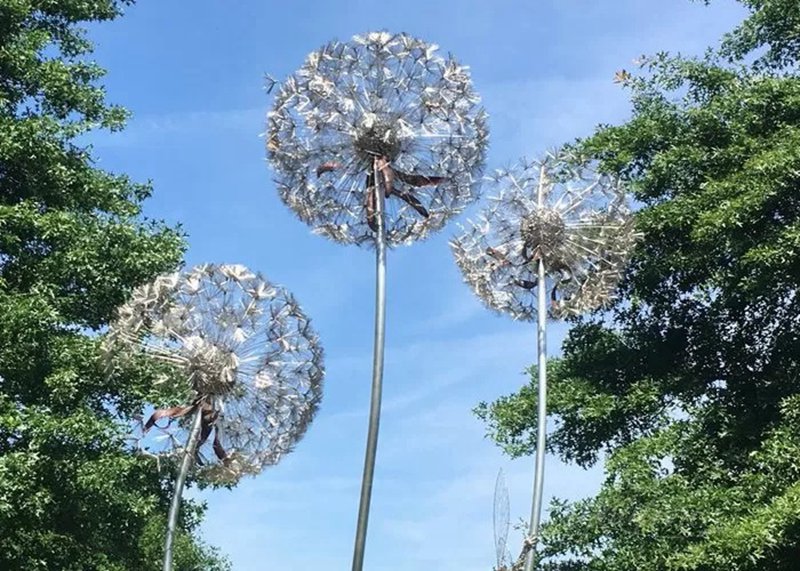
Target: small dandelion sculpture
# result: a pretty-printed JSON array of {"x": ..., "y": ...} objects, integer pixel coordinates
[
  {"x": 500, "y": 521},
  {"x": 243, "y": 355},
  {"x": 557, "y": 228},
  {"x": 377, "y": 141},
  {"x": 501, "y": 524}
]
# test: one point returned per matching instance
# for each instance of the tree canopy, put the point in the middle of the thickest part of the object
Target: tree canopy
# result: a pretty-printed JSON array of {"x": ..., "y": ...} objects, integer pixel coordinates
[
  {"x": 73, "y": 243},
  {"x": 689, "y": 388}
]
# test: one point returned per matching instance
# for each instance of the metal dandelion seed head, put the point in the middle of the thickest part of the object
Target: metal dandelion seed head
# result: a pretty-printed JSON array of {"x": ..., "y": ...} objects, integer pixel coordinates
[
  {"x": 544, "y": 231},
  {"x": 376, "y": 138},
  {"x": 380, "y": 97},
  {"x": 241, "y": 351},
  {"x": 558, "y": 210}
]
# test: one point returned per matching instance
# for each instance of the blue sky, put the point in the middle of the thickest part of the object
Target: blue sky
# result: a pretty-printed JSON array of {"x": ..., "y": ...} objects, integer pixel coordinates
[{"x": 191, "y": 73}]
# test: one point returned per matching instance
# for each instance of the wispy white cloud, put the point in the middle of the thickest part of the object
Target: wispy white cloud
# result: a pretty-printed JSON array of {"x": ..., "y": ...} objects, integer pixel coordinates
[
  {"x": 422, "y": 369},
  {"x": 460, "y": 308},
  {"x": 531, "y": 116},
  {"x": 168, "y": 129}
]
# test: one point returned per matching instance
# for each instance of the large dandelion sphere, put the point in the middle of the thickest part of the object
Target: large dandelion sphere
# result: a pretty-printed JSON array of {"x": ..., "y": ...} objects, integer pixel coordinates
[
  {"x": 558, "y": 210},
  {"x": 242, "y": 351},
  {"x": 385, "y": 101}
]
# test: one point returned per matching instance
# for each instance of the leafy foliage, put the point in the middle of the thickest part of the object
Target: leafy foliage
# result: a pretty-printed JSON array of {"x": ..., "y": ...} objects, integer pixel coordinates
[
  {"x": 72, "y": 246},
  {"x": 693, "y": 392}
]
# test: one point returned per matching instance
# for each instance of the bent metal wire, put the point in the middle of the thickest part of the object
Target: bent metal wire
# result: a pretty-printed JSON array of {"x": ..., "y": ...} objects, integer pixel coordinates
[
  {"x": 380, "y": 96},
  {"x": 556, "y": 229}
]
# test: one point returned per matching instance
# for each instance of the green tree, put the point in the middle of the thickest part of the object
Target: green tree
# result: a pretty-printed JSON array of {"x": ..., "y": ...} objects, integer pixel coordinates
[
  {"x": 690, "y": 389},
  {"x": 72, "y": 246}
]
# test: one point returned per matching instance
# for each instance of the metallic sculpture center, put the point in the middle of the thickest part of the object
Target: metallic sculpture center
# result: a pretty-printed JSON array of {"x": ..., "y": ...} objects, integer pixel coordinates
[
  {"x": 544, "y": 231},
  {"x": 377, "y": 139},
  {"x": 212, "y": 369}
]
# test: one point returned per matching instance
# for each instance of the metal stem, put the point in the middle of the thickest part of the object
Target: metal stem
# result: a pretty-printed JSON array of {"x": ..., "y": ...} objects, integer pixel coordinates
[
  {"x": 541, "y": 432},
  {"x": 175, "y": 506},
  {"x": 377, "y": 375},
  {"x": 541, "y": 428}
]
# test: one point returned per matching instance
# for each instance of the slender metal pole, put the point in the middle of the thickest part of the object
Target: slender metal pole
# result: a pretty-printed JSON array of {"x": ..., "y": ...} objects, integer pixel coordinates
[
  {"x": 541, "y": 432},
  {"x": 175, "y": 506},
  {"x": 377, "y": 376},
  {"x": 541, "y": 428}
]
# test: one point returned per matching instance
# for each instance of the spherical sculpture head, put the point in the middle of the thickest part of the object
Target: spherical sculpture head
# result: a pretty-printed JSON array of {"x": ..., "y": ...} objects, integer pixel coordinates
[
  {"x": 385, "y": 101},
  {"x": 558, "y": 211},
  {"x": 240, "y": 350}
]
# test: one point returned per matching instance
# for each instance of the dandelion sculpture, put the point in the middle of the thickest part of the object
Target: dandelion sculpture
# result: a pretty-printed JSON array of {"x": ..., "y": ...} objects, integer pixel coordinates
[
  {"x": 377, "y": 141},
  {"x": 243, "y": 355},
  {"x": 556, "y": 229}
]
